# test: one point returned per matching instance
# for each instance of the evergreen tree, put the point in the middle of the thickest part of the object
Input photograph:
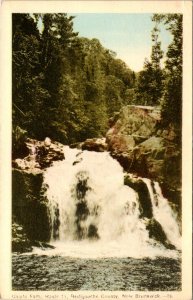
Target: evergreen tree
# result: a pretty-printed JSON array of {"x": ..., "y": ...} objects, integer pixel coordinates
[
  {"x": 172, "y": 99},
  {"x": 157, "y": 53},
  {"x": 57, "y": 39},
  {"x": 28, "y": 94},
  {"x": 149, "y": 88}
]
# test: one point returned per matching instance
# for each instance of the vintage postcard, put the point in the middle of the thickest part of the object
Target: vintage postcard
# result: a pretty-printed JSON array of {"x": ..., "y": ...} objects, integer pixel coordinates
[{"x": 96, "y": 161}]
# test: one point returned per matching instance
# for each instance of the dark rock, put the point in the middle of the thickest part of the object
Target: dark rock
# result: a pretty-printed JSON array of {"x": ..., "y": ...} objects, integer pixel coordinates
[
  {"x": 29, "y": 204},
  {"x": 76, "y": 145},
  {"x": 157, "y": 233},
  {"x": 40, "y": 155},
  {"x": 77, "y": 161},
  {"x": 95, "y": 144},
  {"x": 144, "y": 198},
  {"x": 45, "y": 156},
  {"x": 42, "y": 245},
  {"x": 21, "y": 243},
  {"x": 93, "y": 232}
]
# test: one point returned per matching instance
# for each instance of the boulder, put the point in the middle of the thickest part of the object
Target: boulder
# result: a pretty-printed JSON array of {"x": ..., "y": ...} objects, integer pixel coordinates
[
  {"x": 121, "y": 143},
  {"x": 98, "y": 145},
  {"x": 95, "y": 144},
  {"x": 46, "y": 155},
  {"x": 138, "y": 122}
]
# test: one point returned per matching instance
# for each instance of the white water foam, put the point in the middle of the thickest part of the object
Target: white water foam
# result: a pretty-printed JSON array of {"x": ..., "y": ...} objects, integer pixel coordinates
[
  {"x": 164, "y": 214},
  {"x": 95, "y": 182}
]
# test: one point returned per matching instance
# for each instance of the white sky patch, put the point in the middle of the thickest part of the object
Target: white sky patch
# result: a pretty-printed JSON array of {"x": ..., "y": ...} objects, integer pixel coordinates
[
  {"x": 133, "y": 57},
  {"x": 129, "y": 35}
]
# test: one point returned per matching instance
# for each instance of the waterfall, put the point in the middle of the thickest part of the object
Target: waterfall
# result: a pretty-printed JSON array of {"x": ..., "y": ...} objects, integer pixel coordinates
[
  {"x": 163, "y": 213},
  {"x": 94, "y": 214}
]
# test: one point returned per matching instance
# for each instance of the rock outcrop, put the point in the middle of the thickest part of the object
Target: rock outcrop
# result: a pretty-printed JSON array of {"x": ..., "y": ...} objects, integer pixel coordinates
[
  {"x": 136, "y": 141},
  {"x": 140, "y": 187},
  {"x": 39, "y": 156},
  {"x": 133, "y": 125},
  {"x": 95, "y": 144},
  {"x": 29, "y": 204}
]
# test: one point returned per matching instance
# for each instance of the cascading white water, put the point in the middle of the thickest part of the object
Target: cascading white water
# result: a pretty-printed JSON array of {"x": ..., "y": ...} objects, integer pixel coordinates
[
  {"x": 94, "y": 214},
  {"x": 163, "y": 213}
]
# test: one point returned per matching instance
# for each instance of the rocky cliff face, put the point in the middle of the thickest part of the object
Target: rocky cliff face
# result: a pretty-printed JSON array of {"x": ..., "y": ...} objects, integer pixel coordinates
[
  {"x": 31, "y": 220},
  {"x": 29, "y": 205},
  {"x": 141, "y": 148}
]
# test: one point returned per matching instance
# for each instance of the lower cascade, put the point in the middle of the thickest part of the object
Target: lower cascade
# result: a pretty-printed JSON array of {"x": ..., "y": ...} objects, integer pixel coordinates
[{"x": 94, "y": 214}]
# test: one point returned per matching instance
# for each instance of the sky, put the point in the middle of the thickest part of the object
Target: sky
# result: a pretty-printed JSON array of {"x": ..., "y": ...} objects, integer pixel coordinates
[{"x": 129, "y": 35}]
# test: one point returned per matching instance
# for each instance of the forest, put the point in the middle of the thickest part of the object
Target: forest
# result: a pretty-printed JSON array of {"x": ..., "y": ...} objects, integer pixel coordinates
[
  {"x": 67, "y": 87},
  {"x": 97, "y": 158}
]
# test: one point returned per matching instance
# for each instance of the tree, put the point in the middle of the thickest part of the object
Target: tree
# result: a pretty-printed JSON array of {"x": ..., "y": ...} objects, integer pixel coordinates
[
  {"x": 149, "y": 87},
  {"x": 64, "y": 86},
  {"x": 94, "y": 95},
  {"x": 114, "y": 90},
  {"x": 56, "y": 42},
  {"x": 172, "y": 98},
  {"x": 28, "y": 94},
  {"x": 157, "y": 53}
]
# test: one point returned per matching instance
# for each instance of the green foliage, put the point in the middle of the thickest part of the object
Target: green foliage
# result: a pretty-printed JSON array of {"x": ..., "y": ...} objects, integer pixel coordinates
[
  {"x": 114, "y": 90},
  {"x": 67, "y": 87},
  {"x": 164, "y": 87},
  {"x": 157, "y": 53},
  {"x": 172, "y": 97},
  {"x": 28, "y": 93},
  {"x": 64, "y": 86},
  {"x": 149, "y": 87}
]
